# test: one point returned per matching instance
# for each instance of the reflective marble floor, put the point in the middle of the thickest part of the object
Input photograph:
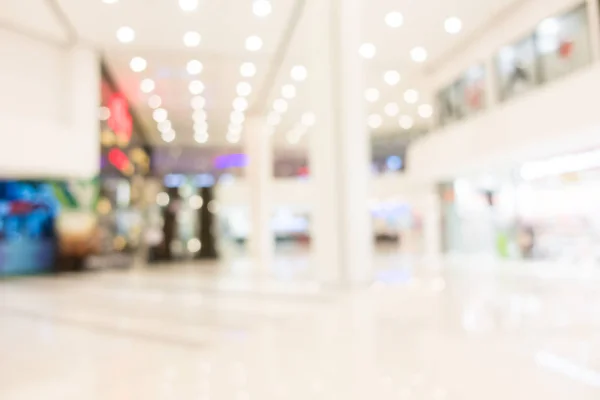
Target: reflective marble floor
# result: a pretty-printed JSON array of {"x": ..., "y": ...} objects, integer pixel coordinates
[{"x": 423, "y": 330}]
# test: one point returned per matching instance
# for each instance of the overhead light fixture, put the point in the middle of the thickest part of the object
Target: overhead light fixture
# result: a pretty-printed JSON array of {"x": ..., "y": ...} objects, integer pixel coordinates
[
  {"x": 309, "y": 119},
  {"x": 201, "y": 137},
  {"x": 254, "y": 43},
  {"x": 453, "y": 25},
  {"x": 418, "y": 54},
  {"x": 198, "y": 102},
  {"x": 280, "y": 106},
  {"x": 425, "y": 111},
  {"x": 391, "y": 77},
  {"x": 288, "y": 91},
  {"x": 199, "y": 116},
  {"x": 240, "y": 104},
  {"x": 147, "y": 85},
  {"x": 248, "y": 70},
  {"x": 164, "y": 126},
  {"x": 411, "y": 96},
  {"x": 125, "y": 34},
  {"x": 160, "y": 115},
  {"x": 194, "y": 67},
  {"x": 391, "y": 109},
  {"x": 262, "y": 8},
  {"x": 274, "y": 118},
  {"x": 406, "y": 122},
  {"x": 394, "y": 19},
  {"x": 235, "y": 128},
  {"x": 237, "y": 117},
  {"x": 138, "y": 64},
  {"x": 196, "y": 87},
  {"x": 200, "y": 126},
  {"x": 374, "y": 121},
  {"x": 168, "y": 136},
  {"x": 154, "y": 101},
  {"x": 232, "y": 137},
  {"x": 192, "y": 39},
  {"x": 243, "y": 89},
  {"x": 367, "y": 50},
  {"x": 299, "y": 73},
  {"x": 372, "y": 95},
  {"x": 188, "y": 5}
]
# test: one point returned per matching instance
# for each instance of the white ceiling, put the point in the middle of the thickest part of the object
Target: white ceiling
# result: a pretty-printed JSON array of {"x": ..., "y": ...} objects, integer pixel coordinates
[{"x": 224, "y": 25}]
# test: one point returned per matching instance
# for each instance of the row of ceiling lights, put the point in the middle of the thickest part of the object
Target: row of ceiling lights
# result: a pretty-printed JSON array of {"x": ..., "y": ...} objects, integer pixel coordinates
[{"x": 126, "y": 34}]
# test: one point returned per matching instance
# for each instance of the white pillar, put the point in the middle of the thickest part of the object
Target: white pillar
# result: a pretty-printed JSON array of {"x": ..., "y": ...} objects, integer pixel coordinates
[
  {"x": 259, "y": 176},
  {"x": 339, "y": 144},
  {"x": 84, "y": 81}
]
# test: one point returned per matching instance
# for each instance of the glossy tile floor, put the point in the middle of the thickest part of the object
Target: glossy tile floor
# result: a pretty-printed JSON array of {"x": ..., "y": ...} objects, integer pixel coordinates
[{"x": 423, "y": 330}]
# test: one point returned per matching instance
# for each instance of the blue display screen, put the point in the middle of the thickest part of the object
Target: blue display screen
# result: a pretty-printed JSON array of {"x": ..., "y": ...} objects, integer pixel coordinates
[{"x": 28, "y": 211}]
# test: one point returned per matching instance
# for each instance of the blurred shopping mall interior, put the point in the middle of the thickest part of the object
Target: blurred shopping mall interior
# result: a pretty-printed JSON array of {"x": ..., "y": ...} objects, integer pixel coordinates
[{"x": 299, "y": 199}]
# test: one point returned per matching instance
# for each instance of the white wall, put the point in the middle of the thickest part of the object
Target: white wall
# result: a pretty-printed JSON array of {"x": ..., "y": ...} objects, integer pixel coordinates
[{"x": 48, "y": 109}]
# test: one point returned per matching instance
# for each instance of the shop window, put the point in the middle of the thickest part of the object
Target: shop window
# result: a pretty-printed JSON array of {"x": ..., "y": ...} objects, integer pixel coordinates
[
  {"x": 563, "y": 43},
  {"x": 470, "y": 91},
  {"x": 447, "y": 105},
  {"x": 517, "y": 68}
]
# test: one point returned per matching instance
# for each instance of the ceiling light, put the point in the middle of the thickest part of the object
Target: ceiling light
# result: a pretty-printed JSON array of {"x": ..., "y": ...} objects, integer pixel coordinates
[
  {"x": 188, "y": 5},
  {"x": 240, "y": 104},
  {"x": 391, "y": 109},
  {"x": 154, "y": 101},
  {"x": 160, "y": 114},
  {"x": 138, "y": 64},
  {"x": 394, "y": 19},
  {"x": 288, "y": 91},
  {"x": 237, "y": 117},
  {"x": 199, "y": 115},
  {"x": 232, "y": 137},
  {"x": 201, "y": 137},
  {"x": 299, "y": 73},
  {"x": 196, "y": 87},
  {"x": 243, "y": 89},
  {"x": 406, "y": 122},
  {"x": 254, "y": 43},
  {"x": 367, "y": 50},
  {"x": 234, "y": 128},
  {"x": 411, "y": 96},
  {"x": 280, "y": 105},
  {"x": 372, "y": 95},
  {"x": 274, "y": 118},
  {"x": 192, "y": 39},
  {"x": 374, "y": 121},
  {"x": 262, "y": 8},
  {"x": 391, "y": 77},
  {"x": 164, "y": 126},
  {"x": 168, "y": 136},
  {"x": 309, "y": 119},
  {"x": 200, "y": 126},
  {"x": 248, "y": 70},
  {"x": 194, "y": 67},
  {"x": 125, "y": 34},
  {"x": 198, "y": 102},
  {"x": 453, "y": 25},
  {"x": 425, "y": 111},
  {"x": 147, "y": 85},
  {"x": 418, "y": 54}
]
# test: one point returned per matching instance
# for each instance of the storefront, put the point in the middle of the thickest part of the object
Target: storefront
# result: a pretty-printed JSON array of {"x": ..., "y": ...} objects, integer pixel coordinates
[{"x": 544, "y": 209}]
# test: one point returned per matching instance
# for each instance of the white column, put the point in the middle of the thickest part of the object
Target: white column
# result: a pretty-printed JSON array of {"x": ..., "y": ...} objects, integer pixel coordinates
[
  {"x": 259, "y": 176},
  {"x": 339, "y": 144},
  {"x": 84, "y": 81}
]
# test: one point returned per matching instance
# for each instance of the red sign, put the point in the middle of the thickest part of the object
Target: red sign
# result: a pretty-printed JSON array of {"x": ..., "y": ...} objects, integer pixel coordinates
[{"x": 120, "y": 119}]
